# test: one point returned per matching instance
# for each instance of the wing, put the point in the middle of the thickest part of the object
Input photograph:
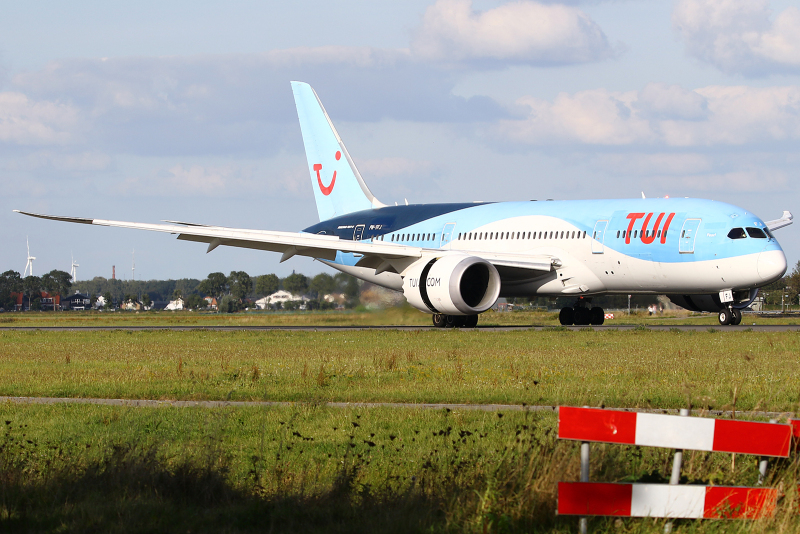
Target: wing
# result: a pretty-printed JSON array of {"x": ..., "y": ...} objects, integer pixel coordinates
[
  {"x": 785, "y": 220},
  {"x": 381, "y": 256}
]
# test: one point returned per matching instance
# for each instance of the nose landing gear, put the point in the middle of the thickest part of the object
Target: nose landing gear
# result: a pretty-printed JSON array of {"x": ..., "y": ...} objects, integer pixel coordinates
[
  {"x": 441, "y": 320},
  {"x": 730, "y": 316},
  {"x": 581, "y": 314}
]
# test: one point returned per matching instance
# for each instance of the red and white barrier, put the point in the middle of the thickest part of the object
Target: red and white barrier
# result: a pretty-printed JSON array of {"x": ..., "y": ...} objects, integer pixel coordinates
[
  {"x": 661, "y": 500},
  {"x": 608, "y": 315},
  {"x": 674, "y": 432}
]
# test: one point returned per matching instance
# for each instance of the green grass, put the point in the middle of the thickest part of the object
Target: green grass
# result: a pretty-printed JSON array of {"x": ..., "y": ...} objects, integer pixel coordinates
[
  {"x": 312, "y": 469},
  {"x": 398, "y": 316},
  {"x": 632, "y": 368}
]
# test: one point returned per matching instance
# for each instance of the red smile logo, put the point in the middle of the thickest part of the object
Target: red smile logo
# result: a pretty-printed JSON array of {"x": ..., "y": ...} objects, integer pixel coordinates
[{"x": 326, "y": 190}]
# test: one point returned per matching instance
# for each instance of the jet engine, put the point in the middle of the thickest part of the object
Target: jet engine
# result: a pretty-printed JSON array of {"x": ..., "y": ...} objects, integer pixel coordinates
[{"x": 454, "y": 284}]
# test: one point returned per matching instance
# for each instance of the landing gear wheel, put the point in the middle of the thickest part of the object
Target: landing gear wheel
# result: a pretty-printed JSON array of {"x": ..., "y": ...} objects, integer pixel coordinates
[
  {"x": 471, "y": 321},
  {"x": 736, "y": 316},
  {"x": 438, "y": 320},
  {"x": 598, "y": 316},
  {"x": 725, "y": 317},
  {"x": 454, "y": 321},
  {"x": 566, "y": 316},
  {"x": 582, "y": 316}
]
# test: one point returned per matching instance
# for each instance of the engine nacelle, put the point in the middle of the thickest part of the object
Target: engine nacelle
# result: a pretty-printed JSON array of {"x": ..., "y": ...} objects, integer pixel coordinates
[{"x": 454, "y": 284}]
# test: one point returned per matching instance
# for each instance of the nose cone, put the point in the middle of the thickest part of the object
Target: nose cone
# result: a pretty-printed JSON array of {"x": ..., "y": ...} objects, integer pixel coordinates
[{"x": 771, "y": 265}]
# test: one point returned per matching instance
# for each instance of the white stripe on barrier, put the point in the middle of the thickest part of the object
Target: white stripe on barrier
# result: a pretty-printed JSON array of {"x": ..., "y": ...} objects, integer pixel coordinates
[
  {"x": 674, "y": 432},
  {"x": 659, "y": 500}
]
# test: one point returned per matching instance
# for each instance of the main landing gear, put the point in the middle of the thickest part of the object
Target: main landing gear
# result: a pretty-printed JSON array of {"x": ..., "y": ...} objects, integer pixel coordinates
[
  {"x": 730, "y": 316},
  {"x": 454, "y": 321},
  {"x": 581, "y": 314}
]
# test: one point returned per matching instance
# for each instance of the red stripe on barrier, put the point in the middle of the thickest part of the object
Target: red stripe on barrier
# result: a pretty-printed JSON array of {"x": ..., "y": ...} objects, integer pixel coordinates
[
  {"x": 592, "y": 424},
  {"x": 795, "y": 428},
  {"x": 745, "y": 437},
  {"x": 739, "y": 503},
  {"x": 594, "y": 498}
]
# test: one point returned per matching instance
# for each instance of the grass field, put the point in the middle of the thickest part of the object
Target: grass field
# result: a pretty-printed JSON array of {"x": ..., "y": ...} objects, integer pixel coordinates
[
  {"x": 398, "y": 316},
  {"x": 70, "y": 468}
]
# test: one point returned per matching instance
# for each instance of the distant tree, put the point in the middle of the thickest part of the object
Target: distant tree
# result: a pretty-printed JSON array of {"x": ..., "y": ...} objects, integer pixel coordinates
[
  {"x": 10, "y": 282},
  {"x": 215, "y": 285},
  {"x": 177, "y": 294},
  {"x": 31, "y": 286},
  {"x": 57, "y": 283},
  {"x": 321, "y": 285},
  {"x": 296, "y": 284},
  {"x": 267, "y": 284},
  {"x": 239, "y": 284},
  {"x": 194, "y": 302},
  {"x": 146, "y": 301},
  {"x": 109, "y": 300}
]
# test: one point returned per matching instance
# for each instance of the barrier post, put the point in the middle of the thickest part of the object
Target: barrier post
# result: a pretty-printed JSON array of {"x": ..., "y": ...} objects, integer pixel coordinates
[
  {"x": 677, "y": 464},
  {"x": 762, "y": 465},
  {"x": 583, "y": 523}
]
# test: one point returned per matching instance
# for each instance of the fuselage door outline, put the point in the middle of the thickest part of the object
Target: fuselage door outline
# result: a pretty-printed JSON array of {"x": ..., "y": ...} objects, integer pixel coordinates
[
  {"x": 598, "y": 236},
  {"x": 358, "y": 233},
  {"x": 688, "y": 236},
  {"x": 447, "y": 234}
]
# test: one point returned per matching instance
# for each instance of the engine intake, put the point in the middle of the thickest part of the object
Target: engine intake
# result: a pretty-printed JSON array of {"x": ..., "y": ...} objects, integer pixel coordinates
[{"x": 454, "y": 285}]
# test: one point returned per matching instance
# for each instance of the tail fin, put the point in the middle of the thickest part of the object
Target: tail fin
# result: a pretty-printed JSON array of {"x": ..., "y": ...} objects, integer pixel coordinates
[{"x": 338, "y": 186}]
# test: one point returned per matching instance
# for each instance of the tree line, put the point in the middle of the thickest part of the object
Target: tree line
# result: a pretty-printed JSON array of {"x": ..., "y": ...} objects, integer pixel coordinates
[{"x": 239, "y": 286}]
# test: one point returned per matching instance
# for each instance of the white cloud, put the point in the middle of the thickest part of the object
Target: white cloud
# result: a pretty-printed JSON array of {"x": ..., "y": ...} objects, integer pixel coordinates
[
  {"x": 393, "y": 167},
  {"x": 522, "y": 32},
  {"x": 661, "y": 116},
  {"x": 739, "y": 36},
  {"x": 24, "y": 121}
]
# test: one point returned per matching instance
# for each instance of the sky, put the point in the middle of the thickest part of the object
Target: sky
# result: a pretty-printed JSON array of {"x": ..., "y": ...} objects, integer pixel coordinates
[{"x": 147, "y": 111}]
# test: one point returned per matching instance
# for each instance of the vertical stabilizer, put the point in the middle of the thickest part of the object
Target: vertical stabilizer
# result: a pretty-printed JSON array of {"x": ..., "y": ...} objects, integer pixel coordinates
[{"x": 337, "y": 184}]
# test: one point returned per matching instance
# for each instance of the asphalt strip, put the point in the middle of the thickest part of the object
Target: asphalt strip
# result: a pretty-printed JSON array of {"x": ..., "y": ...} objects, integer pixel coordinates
[{"x": 151, "y": 403}]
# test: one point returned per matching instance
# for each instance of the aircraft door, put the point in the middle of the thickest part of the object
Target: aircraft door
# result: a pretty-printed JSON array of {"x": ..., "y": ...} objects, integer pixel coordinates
[
  {"x": 598, "y": 236},
  {"x": 688, "y": 235},
  {"x": 447, "y": 234},
  {"x": 358, "y": 233}
]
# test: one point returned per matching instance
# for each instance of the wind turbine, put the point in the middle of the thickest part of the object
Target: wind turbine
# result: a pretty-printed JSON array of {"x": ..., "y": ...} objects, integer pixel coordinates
[
  {"x": 29, "y": 265},
  {"x": 74, "y": 271}
]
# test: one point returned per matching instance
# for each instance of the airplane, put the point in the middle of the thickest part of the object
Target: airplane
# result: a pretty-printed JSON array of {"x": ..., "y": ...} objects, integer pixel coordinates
[{"x": 453, "y": 261}]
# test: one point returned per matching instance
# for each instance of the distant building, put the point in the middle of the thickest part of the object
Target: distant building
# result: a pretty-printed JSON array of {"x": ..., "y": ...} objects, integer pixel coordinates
[
  {"x": 48, "y": 302},
  {"x": 131, "y": 305},
  {"x": 77, "y": 301},
  {"x": 175, "y": 305},
  {"x": 277, "y": 298}
]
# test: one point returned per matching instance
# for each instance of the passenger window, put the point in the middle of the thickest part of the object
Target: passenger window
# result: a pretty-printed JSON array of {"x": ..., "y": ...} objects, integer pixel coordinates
[
  {"x": 659, "y": 233},
  {"x": 635, "y": 234},
  {"x": 735, "y": 233},
  {"x": 756, "y": 232},
  {"x": 623, "y": 233}
]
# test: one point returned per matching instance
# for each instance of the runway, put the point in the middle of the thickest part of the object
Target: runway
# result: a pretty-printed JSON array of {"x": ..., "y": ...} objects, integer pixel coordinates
[
  {"x": 509, "y": 328},
  {"x": 150, "y": 403}
]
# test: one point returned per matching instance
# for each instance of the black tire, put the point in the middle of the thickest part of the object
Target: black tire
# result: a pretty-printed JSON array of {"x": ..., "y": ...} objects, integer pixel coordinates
[
  {"x": 438, "y": 320},
  {"x": 566, "y": 316},
  {"x": 736, "y": 317},
  {"x": 471, "y": 321},
  {"x": 582, "y": 316},
  {"x": 725, "y": 316},
  {"x": 454, "y": 321},
  {"x": 598, "y": 316}
]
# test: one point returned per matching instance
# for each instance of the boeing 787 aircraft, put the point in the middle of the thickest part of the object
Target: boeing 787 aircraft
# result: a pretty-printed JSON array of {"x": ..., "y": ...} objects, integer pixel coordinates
[{"x": 454, "y": 260}]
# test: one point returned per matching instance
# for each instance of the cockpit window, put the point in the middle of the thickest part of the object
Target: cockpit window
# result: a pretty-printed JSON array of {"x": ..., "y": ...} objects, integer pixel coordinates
[
  {"x": 758, "y": 233},
  {"x": 769, "y": 234},
  {"x": 737, "y": 233}
]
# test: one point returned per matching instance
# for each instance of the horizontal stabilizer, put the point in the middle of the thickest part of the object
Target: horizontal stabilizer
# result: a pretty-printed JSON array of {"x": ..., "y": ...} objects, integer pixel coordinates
[{"x": 785, "y": 220}]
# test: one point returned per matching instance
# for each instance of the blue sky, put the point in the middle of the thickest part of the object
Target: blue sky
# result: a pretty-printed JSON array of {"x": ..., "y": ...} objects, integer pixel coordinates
[{"x": 143, "y": 111}]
